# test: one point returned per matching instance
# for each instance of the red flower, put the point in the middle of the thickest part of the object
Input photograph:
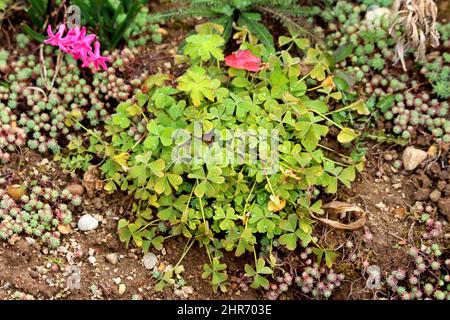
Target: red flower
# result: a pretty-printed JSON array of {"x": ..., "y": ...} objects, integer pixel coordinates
[{"x": 243, "y": 59}]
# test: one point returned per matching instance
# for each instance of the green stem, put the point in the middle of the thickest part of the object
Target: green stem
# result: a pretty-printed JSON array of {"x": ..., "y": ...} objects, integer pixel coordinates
[
  {"x": 256, "y": 259},
  {"x": 209, "y": 254},
  {"x": 305, "y": 76},
  {"x": 339, "y": 110},
  {"x": 248, "y": 198},
  {"x": 148, "y": 225},
  {"x": 88, "y": 131},
  {"x": 186, "y": 249},
  {"x": 325, "y": 117},
  {"x": 270, "y": 186},
  {"x": 334, "y": 151}
]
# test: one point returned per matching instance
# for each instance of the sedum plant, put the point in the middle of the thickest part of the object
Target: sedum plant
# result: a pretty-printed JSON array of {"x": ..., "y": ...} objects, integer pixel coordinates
[
  {"x": 42, "y": 104},
  {"x": 39, "y": 211}
]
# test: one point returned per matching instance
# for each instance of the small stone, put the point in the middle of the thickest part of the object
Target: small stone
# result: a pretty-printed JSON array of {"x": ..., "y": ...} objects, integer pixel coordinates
[
  {"x": 432, "y": 150},
  {"x": 34, "y": 274},
  {"x": 412, "y": 158},
  {"x": 188, "y": 290},
  {"x": 435, "y": 195},
  {"x": 75, "y": 189},
  {"x": 380, "y": 206},
  {"x": 87, "y": 223},
  {"x": 30, "y": 241},
  {"x": 444, "y": 207},
  {"x": 41, "y": 270},
  {"x": 122, "y": 289},
  {"x": 112, "y": 258},
  {"x": 397, "y": 186},
  {"x": 149, "y": 260},
  {"x": 388, "y": 157},
  {"x": 92, "y": 260}
]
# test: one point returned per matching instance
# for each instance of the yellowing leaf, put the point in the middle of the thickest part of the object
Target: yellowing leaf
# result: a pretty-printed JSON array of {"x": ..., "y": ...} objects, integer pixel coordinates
[
  {"x": 346, "y": 135},
  {"x": 360, "y": 107},
  {"x": 276, "y": 204},
  {"x": 328, "y": 82},
  {"x": 121, "y": 159}
]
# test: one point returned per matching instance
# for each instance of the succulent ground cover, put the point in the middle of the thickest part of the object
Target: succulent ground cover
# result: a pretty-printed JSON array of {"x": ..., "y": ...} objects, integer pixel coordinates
[{"x": 273, "y": 148}]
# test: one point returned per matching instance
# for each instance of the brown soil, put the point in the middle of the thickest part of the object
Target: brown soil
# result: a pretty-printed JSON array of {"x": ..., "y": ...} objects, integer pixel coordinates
[
  {"x": 386, "y": 195},
  {"x": 376, "y": 191}
]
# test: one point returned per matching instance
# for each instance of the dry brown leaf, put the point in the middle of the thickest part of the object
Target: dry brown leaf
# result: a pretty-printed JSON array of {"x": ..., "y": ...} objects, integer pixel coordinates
[
  {"x": 418, "y": 18},
  {"x": 343, "y": 208}
]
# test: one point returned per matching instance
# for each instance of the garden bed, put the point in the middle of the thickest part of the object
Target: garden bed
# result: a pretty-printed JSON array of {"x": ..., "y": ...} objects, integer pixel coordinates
[{"x": 399, "y": 185}]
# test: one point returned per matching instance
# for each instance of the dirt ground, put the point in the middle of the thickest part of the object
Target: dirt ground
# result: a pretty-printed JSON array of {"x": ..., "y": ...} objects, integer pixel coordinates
[{"x": 386, "y": 194}]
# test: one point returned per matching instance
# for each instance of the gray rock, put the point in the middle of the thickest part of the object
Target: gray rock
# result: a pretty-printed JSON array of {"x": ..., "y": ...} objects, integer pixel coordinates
[
  {"x": 112, "y": 258},
  {"x": 435, "y": 195},
  {"x": 87, "y": 223},
  {"x": 149, "y": 260},
  {"x": 412, "y": 157}
]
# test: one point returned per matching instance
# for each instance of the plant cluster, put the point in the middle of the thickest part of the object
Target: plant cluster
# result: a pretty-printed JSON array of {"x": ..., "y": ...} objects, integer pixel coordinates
[
  {"x": 318, "y": 282},
  {"x": 437, "y": 72},
  {"x": 429, "y": 278},
  {"x": 248, "y": 14},
  {"x": 46, "y": 97},
  {"x": 313, "y": 278},
  {"x": 409, "y": 111},
  {"x": 11, "y": 136},
  {"x": 366, "y": 56},
  {"x": 38, "y": 212},
  {"x": 113, "y": 21},
  {"x": 142, "y": 30},
  {"x": 227, "y": 205}
]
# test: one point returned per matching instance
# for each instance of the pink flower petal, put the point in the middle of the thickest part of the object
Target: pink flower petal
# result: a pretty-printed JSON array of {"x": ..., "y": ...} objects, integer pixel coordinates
[{"x": 243, "y": 59}]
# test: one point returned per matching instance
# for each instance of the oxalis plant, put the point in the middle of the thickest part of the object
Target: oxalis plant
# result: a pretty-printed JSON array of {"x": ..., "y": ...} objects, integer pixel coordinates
[{"x": 167, "y": 146}]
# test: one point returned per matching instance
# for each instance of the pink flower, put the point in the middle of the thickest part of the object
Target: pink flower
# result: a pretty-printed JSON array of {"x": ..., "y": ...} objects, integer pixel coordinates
[
  {"x": 96, "y": 58},
  {"x": 55, "y": 39},
  {"x": 243, "y": 59},
  {"x": 79, "y": 45}
]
